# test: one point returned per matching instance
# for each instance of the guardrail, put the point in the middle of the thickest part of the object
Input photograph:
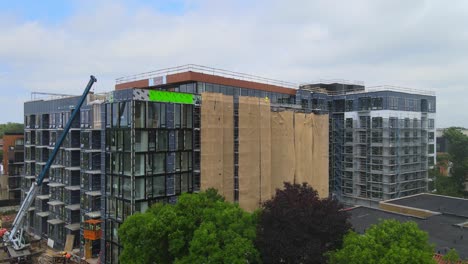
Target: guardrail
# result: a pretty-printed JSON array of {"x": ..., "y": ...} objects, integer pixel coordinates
[{"x": 205, "y": 70}]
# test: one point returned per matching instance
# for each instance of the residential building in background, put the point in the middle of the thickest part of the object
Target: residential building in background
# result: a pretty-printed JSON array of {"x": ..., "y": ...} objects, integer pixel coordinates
[
  {"x": 13, "y": 163},
  {"x": 190, "y": 128},
  {"x": 382, "y": 139}
]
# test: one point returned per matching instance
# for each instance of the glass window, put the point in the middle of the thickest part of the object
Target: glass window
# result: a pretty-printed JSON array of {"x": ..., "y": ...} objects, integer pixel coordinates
[
  {"x": 179, "y": 139},
  {"x": 159, "y": 163},
  {"x": 139, "y": 164},
  {"x": 127, "y": 164},
  {"x": 162, "y": 115},
  {"x": 124, "y": 114},
  {"x": 177, "y": 111},
  {"x": 177, "y": 161},
  {"x": 119, "y": 140},
  {"x": 177, "y": 183},
  {"x": 188, "y": 116},
  {"x": 141, "y": 140},
  {"x": 115, "y": 114},
  {"x": 126, "y": 140},
  {"x": 191, "y": 88},
  {"x": 188, "y": 140},
  {"x": 140, "y": 188},
  {"x": 140, "y": 112},
  {"x": 162, "y": 140},
  {"x": 431, "y": 123},
  {"x": 184, "y": 161},
  {"x": 152, "y": 120},
  {"x": 159, "y": 185}
]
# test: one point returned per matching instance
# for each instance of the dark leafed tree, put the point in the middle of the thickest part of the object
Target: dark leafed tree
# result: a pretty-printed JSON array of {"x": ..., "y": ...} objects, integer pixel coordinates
[{"x": 296, "y": 226}]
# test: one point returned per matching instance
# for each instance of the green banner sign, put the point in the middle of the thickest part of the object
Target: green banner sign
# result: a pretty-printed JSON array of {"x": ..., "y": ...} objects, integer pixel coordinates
[{"x": 170, "y": 97}]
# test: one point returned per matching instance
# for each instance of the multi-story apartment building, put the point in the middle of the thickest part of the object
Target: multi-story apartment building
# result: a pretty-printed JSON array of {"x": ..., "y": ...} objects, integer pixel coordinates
[
  {"x": 382, "y": 141},
  {"x": 185, "y": 129}
]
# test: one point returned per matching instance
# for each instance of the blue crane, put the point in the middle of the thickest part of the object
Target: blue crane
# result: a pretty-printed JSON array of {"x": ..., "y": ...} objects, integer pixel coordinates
[{"x": 15, "y": 237}]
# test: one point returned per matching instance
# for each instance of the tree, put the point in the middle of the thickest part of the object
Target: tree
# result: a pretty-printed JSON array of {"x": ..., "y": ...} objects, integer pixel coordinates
[
  {"x": 451, "y": 257},
  {"x": 458, "y": 154},
  {"x": 199, "y": 228},
  {"x": 296, "y": 226},
  {"x": 387, "y": 242},
  {"x": 11, "y": 127}
]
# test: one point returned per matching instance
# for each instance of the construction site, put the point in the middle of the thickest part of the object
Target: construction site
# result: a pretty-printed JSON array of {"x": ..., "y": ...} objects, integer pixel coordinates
[{"x": 99, "y": 158}]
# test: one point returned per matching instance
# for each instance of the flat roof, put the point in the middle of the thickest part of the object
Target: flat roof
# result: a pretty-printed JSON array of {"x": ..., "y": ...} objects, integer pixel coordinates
[
  {"x": 198, "y": 73},
  {"x": 436, "y": 203},
  {"x": 442, "y": 229}
]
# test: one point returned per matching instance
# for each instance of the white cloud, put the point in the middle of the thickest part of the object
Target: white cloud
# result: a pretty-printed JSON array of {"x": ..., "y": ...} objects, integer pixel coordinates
[{"x": 420, "y": 44}]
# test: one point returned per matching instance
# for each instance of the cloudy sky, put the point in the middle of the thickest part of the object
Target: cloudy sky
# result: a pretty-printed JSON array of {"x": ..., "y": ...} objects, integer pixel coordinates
[{"x": 53, "y": 46}]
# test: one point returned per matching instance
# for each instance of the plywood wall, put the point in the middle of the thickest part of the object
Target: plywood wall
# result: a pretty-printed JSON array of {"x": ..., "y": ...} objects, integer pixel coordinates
[
  {"x": 217, "y": 137},
  {"x": 274, "y": 147}
]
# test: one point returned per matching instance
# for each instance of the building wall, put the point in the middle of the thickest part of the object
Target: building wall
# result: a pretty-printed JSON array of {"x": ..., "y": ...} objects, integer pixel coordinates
[
  {"x": 274, "y": 147},
  {"x": 9, "y": 141}
]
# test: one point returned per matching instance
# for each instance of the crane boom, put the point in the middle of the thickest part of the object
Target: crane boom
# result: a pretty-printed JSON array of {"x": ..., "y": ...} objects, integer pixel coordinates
[{"x": 15, "y": 236}]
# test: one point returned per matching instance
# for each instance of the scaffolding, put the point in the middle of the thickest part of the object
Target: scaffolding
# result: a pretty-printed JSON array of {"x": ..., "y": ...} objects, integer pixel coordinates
[{"x": 383, "y": 158}]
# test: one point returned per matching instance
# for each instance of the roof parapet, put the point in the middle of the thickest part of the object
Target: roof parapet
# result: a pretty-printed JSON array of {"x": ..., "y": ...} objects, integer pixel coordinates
[{"x": 205, "y": 70}]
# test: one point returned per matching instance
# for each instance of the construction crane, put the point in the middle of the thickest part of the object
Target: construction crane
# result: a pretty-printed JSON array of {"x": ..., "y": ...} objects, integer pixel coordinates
[{"x": 14, "y": 239}]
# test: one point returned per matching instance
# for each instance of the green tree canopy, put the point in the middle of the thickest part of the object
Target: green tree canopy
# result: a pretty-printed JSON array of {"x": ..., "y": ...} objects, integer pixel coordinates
[
  {"x": 458, "y": 158},
  {"x": 385, "y": 243},
  {"x": 451, "y": 257},
  {"x": 199, "y": 228},
  {"x": 11, "y": 127},
  {"x": 296, "y": 226}
]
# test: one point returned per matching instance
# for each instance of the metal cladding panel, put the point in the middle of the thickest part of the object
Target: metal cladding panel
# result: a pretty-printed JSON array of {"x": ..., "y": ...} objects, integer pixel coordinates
[
  {"x": 50, "y": 106},
  {"x": 170, "y": 115}
]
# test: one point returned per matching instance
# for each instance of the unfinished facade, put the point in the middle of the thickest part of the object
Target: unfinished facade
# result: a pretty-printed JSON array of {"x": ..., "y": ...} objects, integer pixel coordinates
[
  {"x": 381, "y": 141},
  {"x": 71, "y": 191}
]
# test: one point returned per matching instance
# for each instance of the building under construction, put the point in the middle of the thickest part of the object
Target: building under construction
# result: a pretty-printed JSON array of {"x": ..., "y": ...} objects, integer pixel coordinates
[
  {"x": 190, "y": 128},
  {"x": 382, "y": 140}
]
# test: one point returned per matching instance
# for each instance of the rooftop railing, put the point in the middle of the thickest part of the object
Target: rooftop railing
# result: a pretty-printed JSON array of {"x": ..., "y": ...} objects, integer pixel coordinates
[{"x": 206, "y": 70}]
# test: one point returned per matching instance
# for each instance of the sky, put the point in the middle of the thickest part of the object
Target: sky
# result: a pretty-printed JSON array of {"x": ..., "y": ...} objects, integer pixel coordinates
[{"x": 53, "y": 46}]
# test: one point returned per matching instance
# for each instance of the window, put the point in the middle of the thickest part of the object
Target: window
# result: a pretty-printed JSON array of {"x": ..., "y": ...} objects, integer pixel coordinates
[
  {"x": 115, "y": 115},
  {"x": 431, "y": 123},
  {"x": 349, "y": 123},
  {"x": 177, "y": 119},
  {"x": 377, "y": 103},
  {"x": 431, "y": 136},
  {"x": 431, "y": 106},
  {"x": 140, "y": 114},
  {"x": 159, "y": 184},
  {"x": 159, "y": 162},
  {"x": 349, "y": 105},
  {"x": 364, "y": 103},
  {"x": 139, "y": 164},
  {"x": 141, "y": 141},
  {"x": 407, "y": 122},
  {"x": 140, "y": 188},
  {"x": 393, "y": 103},
  {"x": 377, "y": 122},
  {"x": 162, "y": 140},
  {"x": 152, "y": 120}
]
